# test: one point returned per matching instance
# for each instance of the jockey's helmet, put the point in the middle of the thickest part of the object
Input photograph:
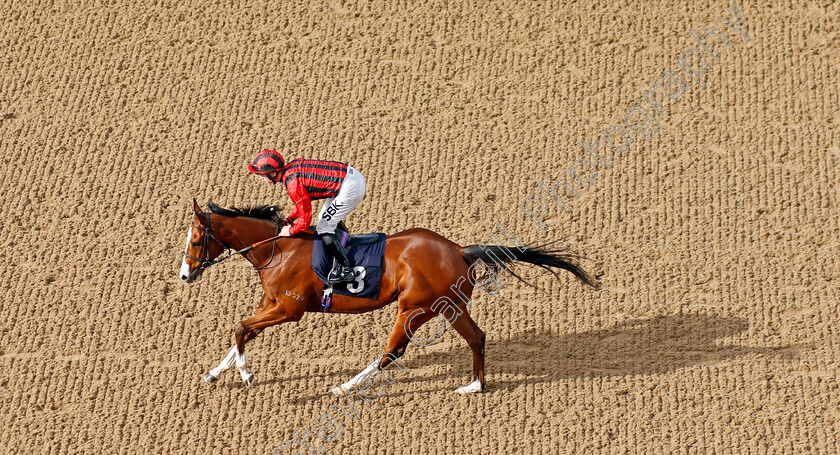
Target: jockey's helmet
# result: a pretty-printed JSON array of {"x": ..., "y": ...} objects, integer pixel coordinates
[{"x": 266, "y": 162}]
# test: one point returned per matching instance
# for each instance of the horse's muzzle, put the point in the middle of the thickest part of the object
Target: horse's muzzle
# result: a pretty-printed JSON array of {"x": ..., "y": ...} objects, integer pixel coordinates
[{"x": 191, "y": 277}]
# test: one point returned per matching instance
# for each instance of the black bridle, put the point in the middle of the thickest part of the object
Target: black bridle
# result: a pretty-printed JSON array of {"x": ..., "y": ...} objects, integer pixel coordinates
[{"x": 205, "y": 261}]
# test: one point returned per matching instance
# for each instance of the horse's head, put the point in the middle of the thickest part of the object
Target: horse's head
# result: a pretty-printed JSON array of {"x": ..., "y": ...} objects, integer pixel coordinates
[{"x": 202, "y": 247}]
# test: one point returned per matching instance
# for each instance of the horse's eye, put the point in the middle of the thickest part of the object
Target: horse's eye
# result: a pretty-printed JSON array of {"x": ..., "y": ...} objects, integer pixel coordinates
[{"x": 196, "y": 244}]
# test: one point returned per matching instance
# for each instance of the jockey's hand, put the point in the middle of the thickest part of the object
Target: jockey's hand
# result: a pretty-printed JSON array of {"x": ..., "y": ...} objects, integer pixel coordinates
[
  {"x": 285, "y": 231},
  {"x": 282, "y": 221}
]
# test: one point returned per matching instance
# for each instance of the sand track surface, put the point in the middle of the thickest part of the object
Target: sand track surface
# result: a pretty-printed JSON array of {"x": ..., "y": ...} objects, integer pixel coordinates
[{"x": 715, "y": 231}]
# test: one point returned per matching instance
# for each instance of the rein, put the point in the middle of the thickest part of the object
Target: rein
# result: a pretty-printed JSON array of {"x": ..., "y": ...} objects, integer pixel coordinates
[{"x": 205, "y": 255}]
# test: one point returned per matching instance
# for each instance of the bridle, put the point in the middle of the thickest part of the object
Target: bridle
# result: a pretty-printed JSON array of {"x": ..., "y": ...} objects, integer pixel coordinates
[{"x": 205, "y": 261}]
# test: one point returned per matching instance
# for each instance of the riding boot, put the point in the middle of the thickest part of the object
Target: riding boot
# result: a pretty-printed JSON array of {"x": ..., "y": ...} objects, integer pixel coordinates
[{"x": 343, "y": 272}]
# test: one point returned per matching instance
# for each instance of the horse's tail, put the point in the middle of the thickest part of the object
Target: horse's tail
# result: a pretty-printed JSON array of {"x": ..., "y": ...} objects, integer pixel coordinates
[{"x": 494, "y": 256}]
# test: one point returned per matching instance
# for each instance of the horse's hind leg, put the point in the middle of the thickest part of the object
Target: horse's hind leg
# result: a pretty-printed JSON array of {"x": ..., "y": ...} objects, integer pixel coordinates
[
  {"x": 407, "y": 322},
  {"x": 468, "y": 329}
]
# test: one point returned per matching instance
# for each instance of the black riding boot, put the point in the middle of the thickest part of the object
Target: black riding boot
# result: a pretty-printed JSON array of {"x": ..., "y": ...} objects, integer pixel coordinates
[{"x": 343, "y": 272}]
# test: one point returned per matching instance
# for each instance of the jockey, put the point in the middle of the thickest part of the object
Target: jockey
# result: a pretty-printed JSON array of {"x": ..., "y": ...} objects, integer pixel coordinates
[{"x": 342, "y": 186}]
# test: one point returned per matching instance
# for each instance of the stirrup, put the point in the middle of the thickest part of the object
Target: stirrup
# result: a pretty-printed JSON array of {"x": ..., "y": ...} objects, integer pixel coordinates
[{"x": 342, "y": 274}]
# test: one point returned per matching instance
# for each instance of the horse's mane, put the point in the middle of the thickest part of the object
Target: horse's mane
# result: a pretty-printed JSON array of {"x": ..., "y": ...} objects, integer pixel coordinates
[{"x": 263, "y": 212}]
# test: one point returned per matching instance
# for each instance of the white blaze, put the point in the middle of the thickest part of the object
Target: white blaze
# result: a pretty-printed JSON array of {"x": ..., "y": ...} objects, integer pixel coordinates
[{"x": 185, "y": 268}]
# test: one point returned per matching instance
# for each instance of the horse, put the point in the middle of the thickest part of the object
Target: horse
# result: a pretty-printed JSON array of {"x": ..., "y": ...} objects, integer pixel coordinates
[{"x": 427, "y": 274}]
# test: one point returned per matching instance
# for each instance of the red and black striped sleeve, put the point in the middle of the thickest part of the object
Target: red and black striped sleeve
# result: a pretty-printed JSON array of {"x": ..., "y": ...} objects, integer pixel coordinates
[{"x": 303, "y": 207}]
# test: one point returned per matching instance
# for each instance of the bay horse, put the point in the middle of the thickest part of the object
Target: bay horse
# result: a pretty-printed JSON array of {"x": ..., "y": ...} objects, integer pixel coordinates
[{"x": 427, "y": 274}]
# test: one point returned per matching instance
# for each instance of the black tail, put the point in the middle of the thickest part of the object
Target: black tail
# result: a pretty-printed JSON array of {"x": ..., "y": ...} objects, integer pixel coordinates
[{"x": 542, "y": 256}]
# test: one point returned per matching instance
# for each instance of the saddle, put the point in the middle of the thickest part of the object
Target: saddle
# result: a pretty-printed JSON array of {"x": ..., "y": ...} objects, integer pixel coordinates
[
  {"x": 358, "y": 239},
  {"x": 366, "y": 253},
  {"x": 354, "y": 239}
]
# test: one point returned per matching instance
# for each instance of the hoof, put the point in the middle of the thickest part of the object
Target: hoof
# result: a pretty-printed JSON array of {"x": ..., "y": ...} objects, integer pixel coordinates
[
  {"x": 248, "y": 380},
  {"x": 340, "y": 391},
  {"x": 209, "y": 378},
  {"x": 473, "y": 387}
]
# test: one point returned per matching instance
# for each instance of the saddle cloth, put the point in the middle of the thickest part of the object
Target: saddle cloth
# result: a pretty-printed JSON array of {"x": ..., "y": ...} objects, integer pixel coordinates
[{"x": 365, "y": 252}]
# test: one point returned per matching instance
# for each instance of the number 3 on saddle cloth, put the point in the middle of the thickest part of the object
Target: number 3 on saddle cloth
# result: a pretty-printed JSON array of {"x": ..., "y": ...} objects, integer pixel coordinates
[{"x": 366, "y": 252}]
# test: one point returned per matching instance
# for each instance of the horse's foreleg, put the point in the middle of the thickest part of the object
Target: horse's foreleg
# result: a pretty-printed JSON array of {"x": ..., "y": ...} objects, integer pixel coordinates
[
  {"x": 242, "y": 333},
  {"x": 248, "y": 329},
  {"x": 226, "y": 363},
  {"x": 468, "y": 329},
  {"x": 234, "y": 353}
]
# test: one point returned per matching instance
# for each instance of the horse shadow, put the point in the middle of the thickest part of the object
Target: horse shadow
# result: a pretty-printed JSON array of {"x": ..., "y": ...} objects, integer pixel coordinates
[
  {"x": 637, "y": 347},
  {"x": 650, "y": 346}
]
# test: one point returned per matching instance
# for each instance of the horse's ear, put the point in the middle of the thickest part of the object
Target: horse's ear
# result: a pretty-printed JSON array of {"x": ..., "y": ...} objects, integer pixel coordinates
[{"x": 196, "y": 208}]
